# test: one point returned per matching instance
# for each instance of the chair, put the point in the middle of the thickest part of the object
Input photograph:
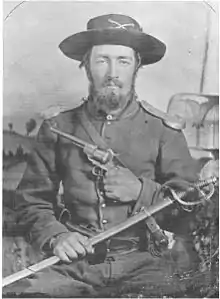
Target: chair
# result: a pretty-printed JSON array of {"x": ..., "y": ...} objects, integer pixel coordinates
[{"x": 201, "y": 114}]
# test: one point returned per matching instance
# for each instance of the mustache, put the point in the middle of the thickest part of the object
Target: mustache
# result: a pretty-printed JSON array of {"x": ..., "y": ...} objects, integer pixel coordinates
[{"x": 112, "y": 82}]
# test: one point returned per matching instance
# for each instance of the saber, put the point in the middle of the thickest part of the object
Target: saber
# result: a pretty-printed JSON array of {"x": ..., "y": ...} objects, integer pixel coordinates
[
  {"x": 103, "y": 236},
  {"x": 142, "y": 215}
]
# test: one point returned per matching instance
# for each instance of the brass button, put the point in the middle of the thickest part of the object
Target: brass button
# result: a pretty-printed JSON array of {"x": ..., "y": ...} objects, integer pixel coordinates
[
  {"x": 104, "y": 221},
  {"x": 103, "y": 205},
  {"x": 109, "y": 117}
]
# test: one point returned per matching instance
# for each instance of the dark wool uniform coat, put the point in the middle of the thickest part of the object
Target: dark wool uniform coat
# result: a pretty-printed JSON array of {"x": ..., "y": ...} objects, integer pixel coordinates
[{"x": 154, "y": 152}]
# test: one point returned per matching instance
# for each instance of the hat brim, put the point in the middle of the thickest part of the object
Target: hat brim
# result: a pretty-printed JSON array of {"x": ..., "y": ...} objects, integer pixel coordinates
[{"x": 150, "y": 48}]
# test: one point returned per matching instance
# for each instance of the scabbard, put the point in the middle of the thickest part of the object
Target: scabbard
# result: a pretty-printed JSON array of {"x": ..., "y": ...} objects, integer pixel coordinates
[{"x": 157, "y": 233}]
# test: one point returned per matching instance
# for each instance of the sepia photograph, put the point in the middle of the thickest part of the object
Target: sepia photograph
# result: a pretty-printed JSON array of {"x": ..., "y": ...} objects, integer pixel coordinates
[{"x": 110, "y": 149}]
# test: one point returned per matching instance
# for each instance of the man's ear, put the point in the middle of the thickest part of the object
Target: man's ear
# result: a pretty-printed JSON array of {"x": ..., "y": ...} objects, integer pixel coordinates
[
  {"x": 89, "y": 74},
  {"x": 138, "y": 61}
]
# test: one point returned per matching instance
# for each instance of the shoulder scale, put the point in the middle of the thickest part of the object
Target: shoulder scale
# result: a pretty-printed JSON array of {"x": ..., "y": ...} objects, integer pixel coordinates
[{"x": 172, "y": 121}]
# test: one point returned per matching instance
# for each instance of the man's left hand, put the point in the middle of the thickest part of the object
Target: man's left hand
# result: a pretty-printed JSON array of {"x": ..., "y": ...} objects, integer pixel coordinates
[{"x": 121, "y": 184}]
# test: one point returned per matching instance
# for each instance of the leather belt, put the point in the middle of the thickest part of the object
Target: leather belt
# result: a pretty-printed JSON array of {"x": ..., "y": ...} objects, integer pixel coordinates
[{"x": 118, "y": 246}]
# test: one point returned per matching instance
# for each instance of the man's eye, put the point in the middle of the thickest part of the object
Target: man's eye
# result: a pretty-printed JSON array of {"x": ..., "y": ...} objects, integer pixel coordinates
[
  {"x": 100, "y": 61},
  {"x": 124, "y": 62}
]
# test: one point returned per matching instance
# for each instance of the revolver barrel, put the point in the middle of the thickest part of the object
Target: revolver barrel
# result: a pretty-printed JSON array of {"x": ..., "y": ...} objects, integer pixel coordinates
[{"x": 92, "y": 151}]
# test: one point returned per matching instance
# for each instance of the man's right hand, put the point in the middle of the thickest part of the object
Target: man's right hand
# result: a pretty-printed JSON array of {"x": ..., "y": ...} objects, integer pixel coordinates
[{"x": 70, "y": 246}]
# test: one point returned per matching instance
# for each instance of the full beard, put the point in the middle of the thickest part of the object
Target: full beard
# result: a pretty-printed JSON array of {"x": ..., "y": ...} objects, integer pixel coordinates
[{"x": 108, "y": 98}]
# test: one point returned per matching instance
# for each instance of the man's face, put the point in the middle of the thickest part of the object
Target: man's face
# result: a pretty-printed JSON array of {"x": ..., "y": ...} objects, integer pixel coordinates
[{"x": 112, "y": 71}]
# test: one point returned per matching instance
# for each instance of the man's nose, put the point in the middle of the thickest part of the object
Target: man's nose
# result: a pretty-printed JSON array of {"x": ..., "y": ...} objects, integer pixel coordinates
[{"x": 112, "y": 70}]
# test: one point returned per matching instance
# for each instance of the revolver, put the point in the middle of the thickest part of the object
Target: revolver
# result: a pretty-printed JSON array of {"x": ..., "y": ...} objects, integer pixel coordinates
[{"x": 100, "y": 158}]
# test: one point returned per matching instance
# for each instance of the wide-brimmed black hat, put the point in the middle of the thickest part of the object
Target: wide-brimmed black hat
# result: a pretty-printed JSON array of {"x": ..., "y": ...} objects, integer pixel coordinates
[{"x": 114, "y": 29}]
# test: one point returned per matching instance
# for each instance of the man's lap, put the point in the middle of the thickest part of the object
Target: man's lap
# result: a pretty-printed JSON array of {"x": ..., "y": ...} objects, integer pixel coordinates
[{"x": 119, "y": 274}]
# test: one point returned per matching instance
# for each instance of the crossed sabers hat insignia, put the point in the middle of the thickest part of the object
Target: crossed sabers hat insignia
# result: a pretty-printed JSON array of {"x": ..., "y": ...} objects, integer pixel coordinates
[{"x": 120, "y": 26}]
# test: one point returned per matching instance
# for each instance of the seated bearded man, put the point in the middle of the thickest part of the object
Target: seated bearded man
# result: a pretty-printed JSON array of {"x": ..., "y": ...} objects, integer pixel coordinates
[{"x": 150, "y": 151}]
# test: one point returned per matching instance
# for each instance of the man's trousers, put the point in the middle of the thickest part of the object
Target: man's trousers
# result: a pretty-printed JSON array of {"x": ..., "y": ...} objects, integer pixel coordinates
[{"x": 129, "y": 273}]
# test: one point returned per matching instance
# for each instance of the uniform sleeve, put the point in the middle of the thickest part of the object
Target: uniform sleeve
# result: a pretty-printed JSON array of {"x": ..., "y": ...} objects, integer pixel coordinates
[
  {"x": 37, "y": 192},
  {"x": 174, "y": 162}
]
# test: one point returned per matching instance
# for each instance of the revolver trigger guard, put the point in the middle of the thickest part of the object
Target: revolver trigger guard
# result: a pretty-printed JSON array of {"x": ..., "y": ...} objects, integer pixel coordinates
[{"x": 96, "y": 170}]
